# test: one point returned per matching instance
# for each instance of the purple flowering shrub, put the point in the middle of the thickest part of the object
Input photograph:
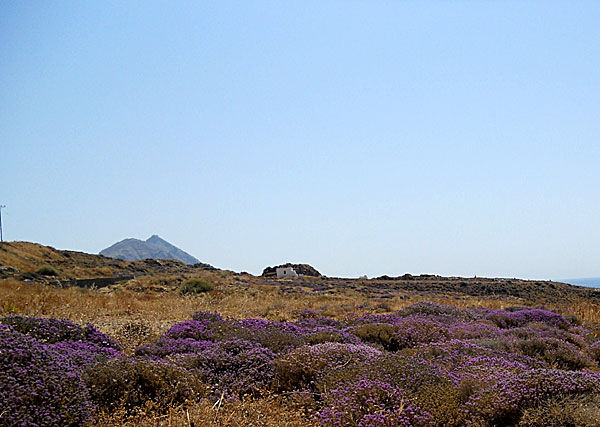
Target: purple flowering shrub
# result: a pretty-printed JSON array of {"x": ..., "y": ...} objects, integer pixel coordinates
[
  {"x": 507, "y": 319},
  {"x": 556, "y": 353},
  {"x": 199, "y": 330},
  {"x": 428, "y": 364},
  {"x": 414, "y": 331},
  {"x": 541, "y": 330},
  {"x": 302, "y": 367},
  {"x": 236, "y": 367},
  {"x": 274, "y": 335},
  {"x": 440, "y": 313},
  {"x": 278, "y": 337},
  {"x": 371, "y": 403},
  {"x": 165, "y": 346},
  {"x": 58, "y": 330},
  {"x": 129, "y": 383},
  {"x": 474, "y": 331},
  {"x": 83, "y": 354},
  {"x": 38, "y": 386},
  {"x": 324, "y": 334},
  {"x": 434, "y": 389},
  {"x": 594, "y": 351},
  {"x": 403, "y": 333},
  {"x": 503, "y": 403},
  {"x": 312, "y": 319}
]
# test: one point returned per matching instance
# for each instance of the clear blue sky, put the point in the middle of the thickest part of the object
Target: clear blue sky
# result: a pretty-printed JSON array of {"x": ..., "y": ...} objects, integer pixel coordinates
[{"x": 362, "y": 137}]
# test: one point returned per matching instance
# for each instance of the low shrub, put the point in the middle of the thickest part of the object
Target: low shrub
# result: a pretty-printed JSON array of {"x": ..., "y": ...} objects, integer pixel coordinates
[
  {"x": 235, "y": 367},
  {"x": 165, "y": 346},
  {"x": 506, "y": 319},
  {"x": 196, "y": 286},
  {"x": 303, "y": 366},
  {"x": 594, "y": 351},
  {"x": 84, "y": 354},
  {"x": 128, "y": 383},
  {"x": 371, "y": 403},
  {"x": 59, "y": 330},
  {"x": 439, "y": 312},
  {"x": 196, "y": 329},
  {"x": 278, "y": 337},
  {"x": 576, "y": 411},
  {"x": 382, "y": 334},
  {"x": 504, "y": 402},
  {"x": 47, "y": 270},
  {"x": 38, "y": 386},
  {"x": 557, "y": 353},
  {"x": 327, "y": 334},
  {"x": 414, "y": 331},
  {"x": 207, "y": 316}
]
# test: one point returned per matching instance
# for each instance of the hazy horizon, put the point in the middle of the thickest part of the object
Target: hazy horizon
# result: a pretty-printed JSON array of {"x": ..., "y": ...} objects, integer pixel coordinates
[{"x": 451, "y": 138}]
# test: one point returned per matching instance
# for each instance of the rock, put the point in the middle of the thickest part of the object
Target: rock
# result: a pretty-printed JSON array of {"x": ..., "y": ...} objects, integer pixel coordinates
[{"x": 301, "y": 269}]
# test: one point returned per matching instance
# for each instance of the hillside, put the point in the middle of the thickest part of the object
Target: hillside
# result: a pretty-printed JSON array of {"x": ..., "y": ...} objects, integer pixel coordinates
[
  {"x": 21, "y": 260},
  {"x": 152, "y": 248}
]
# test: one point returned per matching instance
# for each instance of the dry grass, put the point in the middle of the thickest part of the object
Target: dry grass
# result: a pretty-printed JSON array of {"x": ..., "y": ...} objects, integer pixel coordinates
[
  {"x": 134, "y": 317},
  {"x": 267, "y": 412}
]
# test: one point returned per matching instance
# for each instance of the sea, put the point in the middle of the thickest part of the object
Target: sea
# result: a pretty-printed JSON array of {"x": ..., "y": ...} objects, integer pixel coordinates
[{"x": 591, "y": 282}]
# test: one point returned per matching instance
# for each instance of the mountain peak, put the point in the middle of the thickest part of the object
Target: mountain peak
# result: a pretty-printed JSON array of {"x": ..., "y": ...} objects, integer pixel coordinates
[{"x": 154, "y": 247}]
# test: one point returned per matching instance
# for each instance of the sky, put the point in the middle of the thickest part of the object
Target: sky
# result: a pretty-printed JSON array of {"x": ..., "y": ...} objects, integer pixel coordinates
[{"x": 361, "y": 137}]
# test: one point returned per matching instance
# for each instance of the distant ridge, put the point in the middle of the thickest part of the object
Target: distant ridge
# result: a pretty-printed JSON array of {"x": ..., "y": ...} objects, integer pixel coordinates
[
  {"x": 154, "y": 247},
  {"x": 591, "y": 282}
]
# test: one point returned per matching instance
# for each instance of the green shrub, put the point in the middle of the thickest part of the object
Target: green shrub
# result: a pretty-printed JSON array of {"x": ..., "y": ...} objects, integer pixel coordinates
[
  {"x": 196, "y": 286},
  {"x": 379, "y": 333},
  {"x": 303, "y": 366},
  {"x": 47, "y": 270}
]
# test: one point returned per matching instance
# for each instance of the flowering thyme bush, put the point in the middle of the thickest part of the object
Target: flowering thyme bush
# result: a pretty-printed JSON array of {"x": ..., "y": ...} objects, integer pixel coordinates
[
  {"x": 195, "y": 329},
  {"x": 504, "y": 402},
  {"x": 171, "y": 346},
  {"x": 38, "y": 386},
  {"x": 235, "y": 367},
  {"x": 439, "y": 312},
  {"x": 414, "y": 331},
  {"x": 58, "y": 330},
  {"x": 426, "y": 364},
  {"x": 371, "y": 403},
  {"x": 83, "y": 354},
  {"x": 506, "y": 319}
]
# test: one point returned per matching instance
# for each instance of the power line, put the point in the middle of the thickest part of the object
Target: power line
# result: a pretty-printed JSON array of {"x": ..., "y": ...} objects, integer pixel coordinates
[{"x": 1, "y": 206}]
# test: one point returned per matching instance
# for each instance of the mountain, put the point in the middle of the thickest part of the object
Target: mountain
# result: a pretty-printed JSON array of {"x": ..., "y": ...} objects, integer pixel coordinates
[{"x": 154, "y": 247}]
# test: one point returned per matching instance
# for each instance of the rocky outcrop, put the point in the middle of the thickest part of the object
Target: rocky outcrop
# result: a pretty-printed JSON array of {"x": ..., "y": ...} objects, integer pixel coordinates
[{"x": 301, "y": 269}]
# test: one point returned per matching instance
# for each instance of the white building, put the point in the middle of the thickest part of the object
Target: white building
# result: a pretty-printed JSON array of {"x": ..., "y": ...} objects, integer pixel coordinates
[{"x": 286, "y": 272}]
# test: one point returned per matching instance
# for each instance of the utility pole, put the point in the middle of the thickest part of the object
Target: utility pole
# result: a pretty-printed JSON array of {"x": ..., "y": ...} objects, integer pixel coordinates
[{"x": 1, "y": 206}]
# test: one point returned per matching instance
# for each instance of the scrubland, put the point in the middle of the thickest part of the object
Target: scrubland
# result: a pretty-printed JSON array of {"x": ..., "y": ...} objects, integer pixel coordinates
[{"x": 322, "y": 352}]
